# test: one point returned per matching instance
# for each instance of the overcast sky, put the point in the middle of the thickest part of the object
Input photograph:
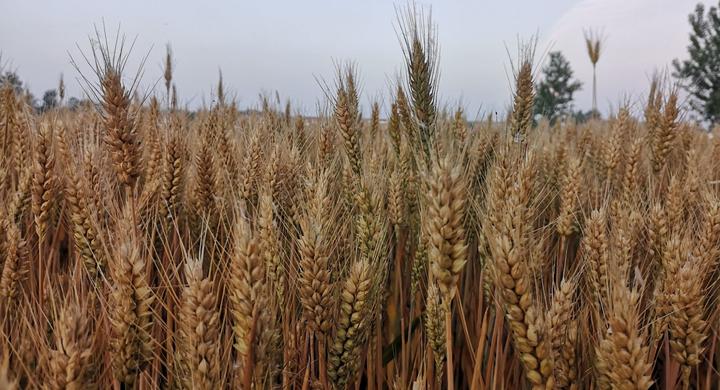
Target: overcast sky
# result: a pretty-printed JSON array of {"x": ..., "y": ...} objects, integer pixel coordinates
[{"x": 287, "y": 45}]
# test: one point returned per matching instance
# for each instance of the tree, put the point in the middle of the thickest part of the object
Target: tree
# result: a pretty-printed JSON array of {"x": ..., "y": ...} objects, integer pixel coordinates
[
  {"x": 12, "y": 79},
  {"x": 700, "y": 74},
  {"x": 581, "y": 116},
  {"x": 50, "y": 99},
  {"x": 555, "y": 91},
  {"x": 74, "y": 103}
]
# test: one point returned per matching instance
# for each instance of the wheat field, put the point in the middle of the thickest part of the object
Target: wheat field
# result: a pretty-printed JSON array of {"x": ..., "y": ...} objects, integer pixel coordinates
[{"x": 148, "y": 246}]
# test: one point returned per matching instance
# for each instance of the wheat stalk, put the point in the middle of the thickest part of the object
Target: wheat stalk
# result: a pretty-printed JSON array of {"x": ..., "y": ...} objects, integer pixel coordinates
[
  {"x": 44, "y": 182},
  {"x": 352, "y": 325},
  {"x": 199, "y": 330},
  {"x": 71, "y": 361},
  {"x": 130, "y": 305},
  {"x": 246, "y": 282},
  {"x": 623, "y": 354},
  {"x": 15, "y": 267}
]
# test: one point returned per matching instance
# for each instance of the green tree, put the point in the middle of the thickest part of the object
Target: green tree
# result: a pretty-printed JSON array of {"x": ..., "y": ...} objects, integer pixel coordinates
[
  {"x": 50, "y": 100},
  {"x": 13, "y": 80},
  {"x": 700, "y": 74},
  {"x": 555, "y": 90}
]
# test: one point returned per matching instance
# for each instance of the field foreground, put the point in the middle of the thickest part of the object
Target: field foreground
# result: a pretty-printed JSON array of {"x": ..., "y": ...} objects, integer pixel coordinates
[{"x": 146, "y": 246}]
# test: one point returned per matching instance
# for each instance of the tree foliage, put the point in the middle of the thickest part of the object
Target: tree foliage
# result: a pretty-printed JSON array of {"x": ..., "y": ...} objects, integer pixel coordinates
[
  {"x": 49, "y": 100},
  {"x": 12, "y": 79},
  {"x": 700, "y": 73},
  {"x": 555, "y": 90}
]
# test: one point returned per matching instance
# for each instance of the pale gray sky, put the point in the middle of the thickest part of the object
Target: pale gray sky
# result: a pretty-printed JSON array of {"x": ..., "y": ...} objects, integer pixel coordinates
[{"x": 284, "y": 45}]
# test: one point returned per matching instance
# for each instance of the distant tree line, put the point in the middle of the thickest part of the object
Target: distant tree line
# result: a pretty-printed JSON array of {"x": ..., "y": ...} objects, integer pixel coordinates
[
  {"x": 698, "y": 75},
  {"x": 50, "y": 99}
]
